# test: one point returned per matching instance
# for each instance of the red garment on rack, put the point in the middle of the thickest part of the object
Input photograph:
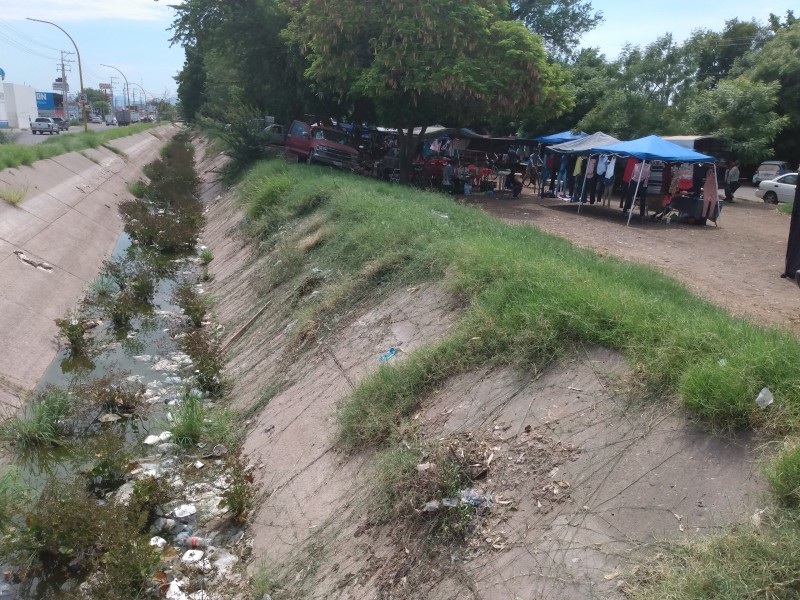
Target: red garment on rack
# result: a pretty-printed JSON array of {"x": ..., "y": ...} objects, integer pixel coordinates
[{"x": 632, "y": 162}]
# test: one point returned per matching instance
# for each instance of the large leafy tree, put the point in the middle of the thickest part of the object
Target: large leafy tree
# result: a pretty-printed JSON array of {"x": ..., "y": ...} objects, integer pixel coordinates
[
  {"x": 742, "y": 111},
  {"x": 234, "y": 53},
  {"x": 779, "y": 61},
  {"x": 419, "y": 62},
  {"x": 561, "y": 23},
  {"x": 642, "y": 93}
]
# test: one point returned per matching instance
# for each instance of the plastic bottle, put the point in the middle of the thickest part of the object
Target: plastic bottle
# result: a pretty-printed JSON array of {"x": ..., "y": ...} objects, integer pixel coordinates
[{"x": 184, "y": 538}]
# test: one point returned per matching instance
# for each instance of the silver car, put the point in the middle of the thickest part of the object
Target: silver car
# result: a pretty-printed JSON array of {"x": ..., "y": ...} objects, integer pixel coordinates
[{"x": 778, "y": 190}]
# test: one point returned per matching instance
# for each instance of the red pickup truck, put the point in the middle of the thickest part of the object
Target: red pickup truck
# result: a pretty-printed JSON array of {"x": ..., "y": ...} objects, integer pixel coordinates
[{"x": 316, "y": 143}]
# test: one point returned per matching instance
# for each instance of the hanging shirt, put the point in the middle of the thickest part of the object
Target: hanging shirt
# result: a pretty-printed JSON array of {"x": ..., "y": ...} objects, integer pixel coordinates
[
  {"x": 632, "y": 162},
  {"x": 578, "y": 167},
  {"x": 641, "y": 171},
  {"x": 612, "y": 164},
  {"x": 602, "y": 163},
  {"x": 590, "y": 168}
]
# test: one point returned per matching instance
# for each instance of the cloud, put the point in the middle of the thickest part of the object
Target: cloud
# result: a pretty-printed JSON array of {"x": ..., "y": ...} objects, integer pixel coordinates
[{"x": 84, "y": 10}]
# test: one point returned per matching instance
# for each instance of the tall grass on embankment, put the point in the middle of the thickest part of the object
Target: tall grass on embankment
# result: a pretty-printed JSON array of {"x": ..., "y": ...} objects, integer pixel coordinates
[
  {"x": 528, "y": 297},
  {"x": 15, "y": 155}
]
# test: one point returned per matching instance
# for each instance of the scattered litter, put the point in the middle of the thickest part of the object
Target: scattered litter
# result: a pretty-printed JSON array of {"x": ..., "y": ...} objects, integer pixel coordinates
[
  {"x": 722, "y": 362},
  {"x": 185, "y": 510},
  {"x": 199, "y": 464},
  {"x": 764, "y": 398},
  {"x": 755, "y": 519},
  {"x": 440, "y": 215},
  {"x": 109, "y": 418},
  {"x": 219, "y": 450},
  {"x": 158, "y": 542},
  {"x": 450, "y": 502},
  {"x": 612, "y": 575},
  {"x": 411, "y": 290},
  {"x": 388, "y": 355},
  {"x": 191, "y": 557},
  {"x": 425, "y": 466},
  {"x": 564, "y": 485},
  {"x": 151, "y": 440},
  {"x": 574, "y": 389},
  {"x": 193, "y": 541}
]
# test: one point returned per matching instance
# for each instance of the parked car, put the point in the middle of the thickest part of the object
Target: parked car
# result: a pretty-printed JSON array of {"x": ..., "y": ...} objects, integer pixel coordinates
[
  {"x": 777, "y": 190},
  {"x": 770, "y": 169},
  {"x": 316, "y": 143},
  {"x": 95, "y": 119},
  {"x": 42, "y": 125},
  {"x": 111, "y": 120},
  {"x": 62, "y": 124}
]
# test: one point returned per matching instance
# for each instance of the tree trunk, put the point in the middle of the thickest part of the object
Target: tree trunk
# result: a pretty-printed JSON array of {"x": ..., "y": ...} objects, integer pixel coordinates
[
  {"x": 793, "y": 247},
  {"x": 408, "y": 147}
]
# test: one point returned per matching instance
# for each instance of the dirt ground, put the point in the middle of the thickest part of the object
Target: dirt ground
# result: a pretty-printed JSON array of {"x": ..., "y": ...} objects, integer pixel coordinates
[{"x": 736, "y": 265}]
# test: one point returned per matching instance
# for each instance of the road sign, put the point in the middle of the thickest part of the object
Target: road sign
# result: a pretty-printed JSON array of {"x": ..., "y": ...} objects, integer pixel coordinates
[{"x": 83, "y": 99}]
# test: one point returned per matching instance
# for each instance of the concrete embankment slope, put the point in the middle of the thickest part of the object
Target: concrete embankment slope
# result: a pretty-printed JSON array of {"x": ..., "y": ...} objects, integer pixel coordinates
[{"x": 53, "y": 243}]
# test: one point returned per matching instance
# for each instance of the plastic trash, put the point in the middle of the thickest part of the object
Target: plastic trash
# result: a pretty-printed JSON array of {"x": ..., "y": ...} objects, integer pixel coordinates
[
  {"x": 151, "y": 440},
  {"x": 185, "y": 510},
  {"x": 472, "y": 496},
  {"x": 191, "y": 557},
  {"x": 431, "y": 506},
  {"x": 450, "y": 502},
  {"x": 388, "y": 355},
  {"x": 722, "y": 362},
  {"x": 764, "y": 398},
  {"x": 158, "y": 542},
  {"x": 440, "y": 215},
  {"x": 184, "y": 538}
]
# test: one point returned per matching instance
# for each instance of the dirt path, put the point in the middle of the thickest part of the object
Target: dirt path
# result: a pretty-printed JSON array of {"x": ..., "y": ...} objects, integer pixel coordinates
[{"x": 736, "y": 265}]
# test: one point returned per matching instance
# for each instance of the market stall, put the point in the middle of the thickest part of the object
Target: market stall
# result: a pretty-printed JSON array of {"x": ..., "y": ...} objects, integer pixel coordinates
[
  {"x": 584, "y": 146},
  {"x": 652, "y": 147}
]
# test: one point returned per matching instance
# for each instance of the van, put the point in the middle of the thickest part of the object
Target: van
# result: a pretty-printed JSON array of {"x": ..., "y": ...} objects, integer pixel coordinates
[{"x": 770, "y": 169}]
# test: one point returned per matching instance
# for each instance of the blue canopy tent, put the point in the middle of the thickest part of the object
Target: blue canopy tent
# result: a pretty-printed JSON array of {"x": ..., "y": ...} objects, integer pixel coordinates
[
  {"x": 652, "y": 148},
  {"x": 557, "y": 138}
]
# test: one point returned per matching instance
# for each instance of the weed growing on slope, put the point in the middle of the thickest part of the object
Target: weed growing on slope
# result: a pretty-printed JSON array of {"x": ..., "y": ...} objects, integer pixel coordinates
[
  {"x": 44, "y": 422},
  {"x": 784, "y": 476},
  {"x": 194, "y": 305},
  {"x": 13, "y": 195}
]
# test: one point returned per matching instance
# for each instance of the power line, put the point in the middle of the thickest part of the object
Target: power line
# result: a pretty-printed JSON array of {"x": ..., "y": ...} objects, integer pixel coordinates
[
  {"x": 20, "y": 46},
  {"x": 24, "y": 36}
]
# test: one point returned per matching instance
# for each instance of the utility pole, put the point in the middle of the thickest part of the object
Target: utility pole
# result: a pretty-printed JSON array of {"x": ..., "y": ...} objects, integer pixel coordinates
[
  {"x": 113, "y": 101},
  {"x": 64, "y": 84}
]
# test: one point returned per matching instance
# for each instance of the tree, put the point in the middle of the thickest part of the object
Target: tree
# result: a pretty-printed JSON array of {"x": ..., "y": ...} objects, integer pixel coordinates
[
  {"x": 741, "y": 110},
  {"x": 235, "y": 48},
  {"x": 642, "y": 93},
  {"x": 779, "y": 61},
  {"x": 420, "y": 61},
  {"x": 561, "y": 23}
]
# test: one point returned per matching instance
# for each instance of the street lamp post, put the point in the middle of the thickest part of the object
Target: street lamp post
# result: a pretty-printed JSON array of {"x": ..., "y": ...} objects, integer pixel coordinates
[
  {"x": 144, "y": 95},
  {"x": 80, "y": 69},
  {"x": 127, "y": 89}
]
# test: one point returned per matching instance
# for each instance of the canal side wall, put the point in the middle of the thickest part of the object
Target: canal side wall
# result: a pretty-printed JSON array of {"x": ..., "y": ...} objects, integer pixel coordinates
[{"x": 53, "y": 244}]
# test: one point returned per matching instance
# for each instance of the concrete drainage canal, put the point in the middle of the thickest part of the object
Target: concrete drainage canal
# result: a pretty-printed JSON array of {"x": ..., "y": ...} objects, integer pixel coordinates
[{"x": 127, "y": 481}]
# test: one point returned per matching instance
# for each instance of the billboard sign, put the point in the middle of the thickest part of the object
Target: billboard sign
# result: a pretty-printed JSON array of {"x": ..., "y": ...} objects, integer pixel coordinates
[
  {"x": 45, "y": 101},
  {"x": 58, "y": 86},
  {"x": 105, "y": 86}
]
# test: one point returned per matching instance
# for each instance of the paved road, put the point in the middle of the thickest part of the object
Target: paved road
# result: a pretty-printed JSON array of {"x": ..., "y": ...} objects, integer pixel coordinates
[{"x": 26, "y": 138}]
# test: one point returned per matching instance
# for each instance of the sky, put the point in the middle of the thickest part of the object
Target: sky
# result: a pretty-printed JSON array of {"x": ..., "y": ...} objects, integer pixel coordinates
[{"x": 133, "y": 36}]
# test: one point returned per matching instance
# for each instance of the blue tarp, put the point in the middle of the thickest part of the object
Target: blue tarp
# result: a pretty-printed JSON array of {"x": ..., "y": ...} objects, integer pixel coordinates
[
  {"x": 653, "y": 147},
  {"x": 557, "y": 138}
]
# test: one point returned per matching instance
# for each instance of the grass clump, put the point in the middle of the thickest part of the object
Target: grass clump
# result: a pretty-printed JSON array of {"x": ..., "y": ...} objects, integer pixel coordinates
[
  {"x": 786, "y": 208},
  {"x": 746, "y": 562},
  {"x": 192, "y": 421},
  {"x": 138, "y": 188},
  {"x": 783, "y": 475},
  {"x": 13, "y": 195},
  {"x": 44, "y": 421},
  {"x": 194, "y": 305},
  {"x": 207, "y": 358},
  {"x": 206, "y": 256}
]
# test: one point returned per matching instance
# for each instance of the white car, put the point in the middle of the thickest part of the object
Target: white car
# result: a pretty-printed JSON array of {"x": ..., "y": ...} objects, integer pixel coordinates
[{"x": 778, "y": 190}]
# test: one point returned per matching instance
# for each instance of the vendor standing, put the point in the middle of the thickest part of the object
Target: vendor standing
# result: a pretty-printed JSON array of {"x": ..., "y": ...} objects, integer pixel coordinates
[{"x": 731, "y": 181}]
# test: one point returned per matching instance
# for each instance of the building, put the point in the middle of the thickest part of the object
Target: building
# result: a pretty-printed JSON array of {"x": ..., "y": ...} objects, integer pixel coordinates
[{"x": 17, "y": 106}]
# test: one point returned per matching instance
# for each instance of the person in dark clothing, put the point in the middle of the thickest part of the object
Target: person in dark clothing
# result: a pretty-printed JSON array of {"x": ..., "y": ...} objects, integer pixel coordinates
[{"x": 793, "y": 246}]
